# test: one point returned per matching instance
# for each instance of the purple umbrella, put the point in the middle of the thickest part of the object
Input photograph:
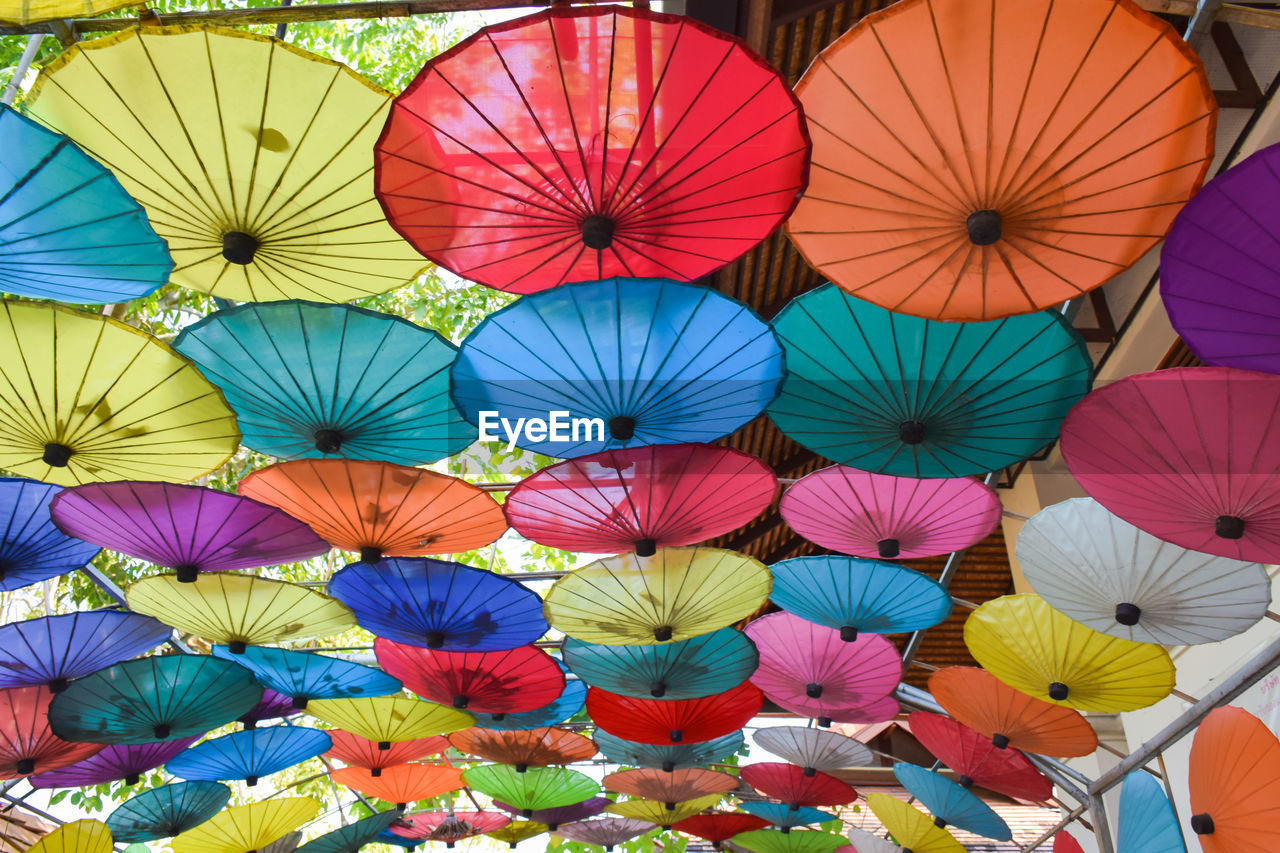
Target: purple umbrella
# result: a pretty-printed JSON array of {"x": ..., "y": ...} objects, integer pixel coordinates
[
  {"x": 272, "y": 706},
  {"x": 118, "y": 761},
  {"x": 189, "y": 529},
  {"x": 564, "y": 814},
  {"x": 53, "y": 650}
]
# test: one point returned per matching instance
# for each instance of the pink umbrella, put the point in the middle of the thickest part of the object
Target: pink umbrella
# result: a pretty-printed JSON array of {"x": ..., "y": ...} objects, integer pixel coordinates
[
  {"x": 1187, "y": 455},
  {"x": 878, "y": 515},
  {"x": 809, "y": 670}
]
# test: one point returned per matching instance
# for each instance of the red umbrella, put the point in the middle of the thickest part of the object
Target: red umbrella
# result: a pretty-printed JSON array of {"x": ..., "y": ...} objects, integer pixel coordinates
[
  {"x": 505, "y": 682},
  {"x": 27, "y": 745},
  {"x": 641, "y": 499},
  {"x": 662, "y": 722},
  {"x": 1064, "y": 843},
  {"x": 362, "y": 752},
  {"x": 583, "y": 143},
  {"x": 719, "y": 826},
  {"x": 790, "y": 784},
  {"x": 448, "y": 827},
  {"x": 978, "y": 760}
]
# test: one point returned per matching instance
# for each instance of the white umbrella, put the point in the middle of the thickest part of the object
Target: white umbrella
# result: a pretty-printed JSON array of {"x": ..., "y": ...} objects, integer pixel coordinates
[
  {"x": 865, "y": 842},
  {"x": 813, "y": 749}
]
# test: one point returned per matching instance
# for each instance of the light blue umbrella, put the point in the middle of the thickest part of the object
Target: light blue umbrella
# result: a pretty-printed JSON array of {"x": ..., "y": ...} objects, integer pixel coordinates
[
  {"x": 782, "y": 815},
  {"x": 1147, "y": 823},
  {"x": 303, "y": 676},
  {"x": 950, "y": 804},
  {"x": 687, "y": 669},
  {"x": 250, "y": 754}
]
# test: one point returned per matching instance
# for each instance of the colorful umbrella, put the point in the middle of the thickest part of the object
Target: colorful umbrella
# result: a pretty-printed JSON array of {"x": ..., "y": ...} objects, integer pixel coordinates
[
  {"x": 163, "y": 697},
  {"x": 799, "y": 841},
  {"x": 1031, "y": 647},
  {"x": 390, "y": 838},
  {"x": 536, "y": 788},
  {"x": 1009, "y": 718},
  {"x": 977, "y": 760},
  {"x": 189, "y": 529},
  {"x": 271, "y": 706},
  {"x": 309, "y": 379},
  {"x": 250, "y": 156},
  {"x": 864, "y": 842},
  {"x": 794, "y": 787},
  {"x": 379, "y": 509},
  {"x": 249, "y": 755},
  {"x": 668, "y": 758},
  {"x": 655, "y": 361},
  {"x": 351, "y": 837},
  {"x": 32, "y": 549},
  {"x": 581, "y": 143},
  {"x": 249, "y": 827},
  {"x": 69, "y": 230},
  {"x": 910, "y": 827},
  {"x": 950, "y": 803},
  {"x": 118, "y": 762},
  {"x": 1064, "y": 843},
  {"x": 287, "y": 843},
  {"x": 813, "y": 749},
  {"x": 448, "y": 826},
  {"x": 403, "y": 783},
  {"x": 440, "y": 605},
  {"x": 23, "y": 12},
  {"x": 362, "y": 752},
  {"x": 389, "y": 719},
  {"x": 784, "y": 816},
  {"x": 659, "y": 813},
  {"x": 1110, "y": 576},
  {"x": 878, "y": 515},
  {"x": 80, "y": 836},
  {"x": 166, "y": 811},
  {"x": 516, "y": 831},
  {"x": 669, "y": 788},
  {"x": 1147, "y": 822},
  {"x": 525, "y": 749},
  {"x": 686, "y": 669},
  {"x": 505, "y": 682},
  {"x": 52, "y": 650},
  {"x": 566, "y": 706},
  {"x": 303, "y": 676},
  {"x": 641, "y": 499},
  {"x": 552, "y": 818},
  {"x": 606, "y": 832},
  {"x": 663, "y": 722},
  {"x": 809, "y": 670},
  {"x": 1235, "y": 783},
  {"x": 28, "y": 744},
  {"x": 87, "y": 398},
  {"x": 1051, "y": 164},
  {"x": 918, "y": 398},
  {"x": 676, "y": 594},
  {"x": 1181, "y": 454},
  {"x": 851, "y": 594},
  {"x": 718, "y": 827}
]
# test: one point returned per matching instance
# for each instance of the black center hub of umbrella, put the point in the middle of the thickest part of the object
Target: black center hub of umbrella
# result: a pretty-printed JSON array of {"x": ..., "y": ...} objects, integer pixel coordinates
[
  {"x": 251, "y": 780},
  {"x": 622, "y": 427},
  {"x": 848, "y": 633},
  {"x": 1202, "y": 824},
  {"x": 299, "y": 702},
  {"x": 810, "y": 772},
  {"x": 376, "y": 772},
  {"x": 1128, "y": 614},
  {"x": 670, "y": 806},
  {"x": 522, "y": 768},
  {"x": 370, "y": 554},
  {"x": 658, "y": 689},
  {"x": 825, "y": 722},
  {"x": 1000, "y": 741},
  {"x": 1058, "y": 691},
  {"x": 435, "y": 639},
  {"x": 239, "y": 247},
  {"x": 460, "y": 702},
  {"x": 888, "y": 548},
  {"x": 646, "y": 547},
  {"x": 668, "y": 767},
  {"x": 813, "y": 690},
  {"x": 328, "y": 440},
  {"x": 26, "y": 766},
  {"x": 499, "y": 717},
  {"x": 662, "y": 633},
  {"x": 965, "y": 781},
  {"x": 911, "y": 432},
  {"x": 985, "y": 227},
  {"x": 57, "y": 455},
  {"x": 161, "y": 730},
  {"x": 676, "y": 736},
  {"x": 597, "y": 232},
  {"x": 133, "y": 778},
  {"x": 58, "y": 685},
  {"x": 237, "y": 647},
  {"x": 384, "y": 745},
  {"x": 940, "y": 823},
  {"x": 186, "y": 573},
  {"x": 1229, "y": 527}
]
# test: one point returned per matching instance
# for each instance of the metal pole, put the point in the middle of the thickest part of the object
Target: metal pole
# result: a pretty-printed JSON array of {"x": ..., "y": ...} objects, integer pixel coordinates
[{"x": 24, "y": 65}]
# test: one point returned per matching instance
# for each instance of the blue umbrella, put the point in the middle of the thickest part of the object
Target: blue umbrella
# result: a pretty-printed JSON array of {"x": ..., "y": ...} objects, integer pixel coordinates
[
  {"x": 303, "y": 676},
  {"x": 655, "y": 361},
  {"x": 950, "y": 804},
  {"x": 389, "y": 837},
  {"x": 68, "y": 230},
  {"x": 1147, "y": 821},
  {"x": 688, "y": 669},
  {"x": 353, "y": 836},
  {"x": 310, "y": 379},
  {"x": 53, "y": 650},
  {"x": 32, "y": 549},
  {"x": 782, "y": 815},
  {"x": 439, "y": 605},
  {"x": 572, "y": 700},
  {"x": 668, "y": 758},
  {"x": 166, "y": 811},
  {"x": 854, "y": 595},
  {"x": 250, "y": 754}
]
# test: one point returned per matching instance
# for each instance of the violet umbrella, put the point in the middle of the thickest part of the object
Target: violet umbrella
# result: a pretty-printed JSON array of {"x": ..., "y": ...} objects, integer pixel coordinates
[
  {"x": 53, "y": 650},
  {"x": 32, "y": 549},
  {"x": 552, "y": 818},
  {"x": 271, "y": 706},
  {"x": 123, "y": 762},
  {"x": 604, "y": 832}
]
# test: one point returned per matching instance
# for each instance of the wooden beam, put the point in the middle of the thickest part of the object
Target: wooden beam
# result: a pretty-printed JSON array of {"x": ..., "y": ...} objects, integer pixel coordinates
[
  {"x": 1266, "y": 19},
  {"x": 759, "y": 17}
]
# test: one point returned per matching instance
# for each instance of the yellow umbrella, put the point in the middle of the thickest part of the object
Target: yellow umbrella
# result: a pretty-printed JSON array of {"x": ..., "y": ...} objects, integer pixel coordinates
[
  {"x": 676, "y": 594},
  {"x": 390, "y": 719},
  {"x": 81, "y": 836},
  {"x": 23, "y": 12},
  {"x": 85, "y": 398},
  {"x": 1033, "y": 648},
  {"x": 656, "y": 812},
  {"x": 239, "y": 610},
  {"x": 245, "y": 828},
  {"x": 911, "y": 828},
  {"x": 253, "y": 159}
]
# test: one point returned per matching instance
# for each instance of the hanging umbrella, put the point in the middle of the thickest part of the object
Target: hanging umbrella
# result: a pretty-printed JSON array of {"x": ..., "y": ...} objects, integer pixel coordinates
[
  {"x": 379, "y": 509},
  {"x": 78, "y": 836},
  {"x": 249, "y": 755},
  {"x": 271, "y": 706},
  {"x": 1031, "y": 647},
  {"x": 910, "y": 827},
  {"x": 809, "y": 670},
  {"x": 505, "y": 682},
  {"x": 447, "y": 826},
  {"x": 52, "y": 650},
  {"x": 303, "y": 676},
  {"x": 851, "y": 594},
  {"x": 641, "y": 499},
  {"x": 351, "y": 837},
  {"x": 403, "y": 783},
  {"x": 719, "y": 827},
  {"x": 1110, "y": 576},
  {"x": 655, "y": 361},
  {"x": 977, "y": 760},
  {"x": 166, "y": 811},
  {"x": 362, "y": 752},
  {"x": 1064, "y": 843},
  {"x": 516, "y": 831},
  {"x": 659, "y": 813},
  {"x": 1235, "y": 783},
  {"x": 606, "y": 832},
  {"x": 951, "y": 804},
  {"x": 536, "y": 788},
  {"x": 878, "y": 515},
  {"x": 1065, "y": 145},
  {"x": 919, "y": 398},
  {"x": 32, "y": 549},
  {"x": 686, "y": 669},
  {"x": 284, "y": 844},
  {"x": 310, "y": 379},
  {"x": 28, "y": 743},
  {"x": 865, "y": 842},
  {"x": 669, "y": 788},
  {"x": 249, "y": 827},
  {"x": 249, "y": 155},
  {"x": 566, "y": 706},
  {"x": 24, "y": 12},
  {"x": 118, "y": 762},
  {"x": 798, "y": 841},
  {"x": 552, "y": 818},
  {"x": 440, "y": 605},
  {"x": 784, "y": 816},
  {"x": 525, "y": 749},
  {"x": 1147, "y": 822},
  {"x": 1211, "y": 484},
  {"x": 88, "y": 398},
  {"x": 389, "y": 719},
  {"x": 813, "y": 749},
  {"x": 1009, "y": 718},
  {"x": 69, "y": 230},
  {"x": 676, "y": 594},
  {"x": 796, "y": 788},
  {"x": 642, "y": 144},
  {"x": 663, "y": 722},
  {"x": 390, "y": 838},
  {"x": 668, "y": 758}
]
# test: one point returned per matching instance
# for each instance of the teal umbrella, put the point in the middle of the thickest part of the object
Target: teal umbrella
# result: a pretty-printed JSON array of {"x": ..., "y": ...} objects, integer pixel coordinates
[
  {"x": 353, "y": 836},
  {"x": 166, "y": 811},
  {"x": 303, "y": 676},
  {"x": 687, "y": 669},
  {"x": 668, "y": 758}
]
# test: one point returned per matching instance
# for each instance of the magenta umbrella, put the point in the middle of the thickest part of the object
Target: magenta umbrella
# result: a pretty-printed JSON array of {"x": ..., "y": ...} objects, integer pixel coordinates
[
  {"x": 124, "y": 761},
  {"x": 189, "y": 529},
  {"x": 878, "y": 515},
  {"x": 1186, "y": 454},
  {"x": 807, "y": 669}
]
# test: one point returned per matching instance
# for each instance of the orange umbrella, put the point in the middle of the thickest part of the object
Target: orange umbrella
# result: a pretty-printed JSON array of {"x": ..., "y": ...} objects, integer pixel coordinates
[
  {"x": 670, "y": 788},
  {"x": 1235, "y": 783},
  {"x": 525, "y": 748},
  {"x": 982, "y": 702},
  {"x": 403, "y": 783},
  {"x": 378, "y": 508},
  {"x": 974, "y": 159},
  {"x": 362, "y": 752}
]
